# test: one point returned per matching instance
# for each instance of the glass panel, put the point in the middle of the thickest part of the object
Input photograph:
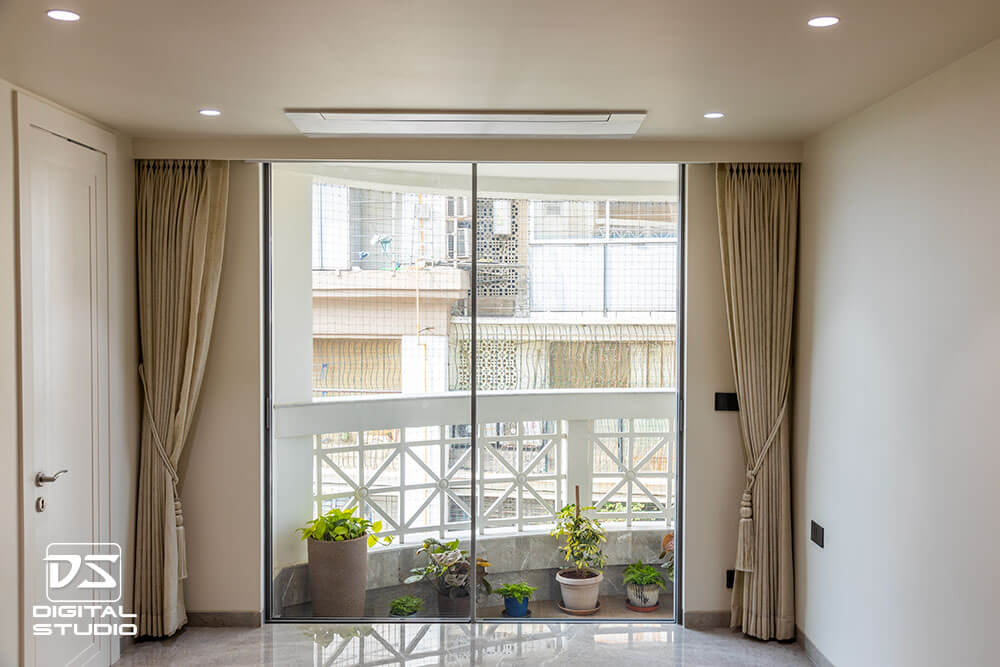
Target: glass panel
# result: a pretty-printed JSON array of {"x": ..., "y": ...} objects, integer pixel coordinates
[
  {"x": 370, "y": 267},
  {"x": 575, "y": 337},
  {"x": 576, "y": 371}
]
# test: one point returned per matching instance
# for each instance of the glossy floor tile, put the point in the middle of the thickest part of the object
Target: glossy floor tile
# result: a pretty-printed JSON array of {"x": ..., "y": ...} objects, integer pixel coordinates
[{"x": 413, "y": 644}]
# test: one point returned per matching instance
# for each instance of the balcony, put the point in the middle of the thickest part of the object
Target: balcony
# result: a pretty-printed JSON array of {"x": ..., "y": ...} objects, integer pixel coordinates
[{"x": 407, "y": 461}]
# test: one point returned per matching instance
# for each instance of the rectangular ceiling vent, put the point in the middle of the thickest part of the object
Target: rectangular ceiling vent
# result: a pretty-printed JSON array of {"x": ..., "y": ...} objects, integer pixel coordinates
[{"x": 333, "y": 123}]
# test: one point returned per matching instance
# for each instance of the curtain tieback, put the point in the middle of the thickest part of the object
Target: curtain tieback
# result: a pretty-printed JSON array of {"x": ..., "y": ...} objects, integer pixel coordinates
[
  {"x": 169, "y": 465},
  {"x": 744, "y": 543}
]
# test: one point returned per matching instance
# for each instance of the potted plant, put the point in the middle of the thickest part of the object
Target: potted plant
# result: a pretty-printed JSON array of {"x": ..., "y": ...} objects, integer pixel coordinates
[
  {"x": 338, "y": 561},
  {"x": 406, "y": 605},
  {"x": 642, "y": 585},
  {"x": 447, "y": 570},
  {"x": 515, "y": 598},
  {"x": 667, "y": 555},
  {"x": 580, "y": 584}
]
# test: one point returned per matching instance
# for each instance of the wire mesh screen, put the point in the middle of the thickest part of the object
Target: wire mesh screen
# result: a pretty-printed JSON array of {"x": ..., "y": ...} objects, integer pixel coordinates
[
  {"x": 564, "y": 356},
  {"x": 391, "y": 280},
  {"x": 577, "y": 293},
  {"x": 352, "y": 367},
  {"x": 576, "y": 337}
]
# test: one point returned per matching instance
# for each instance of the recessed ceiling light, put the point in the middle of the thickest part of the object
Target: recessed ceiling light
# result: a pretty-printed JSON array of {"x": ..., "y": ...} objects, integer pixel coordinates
[
  {"x": 823, "y": 21},
  {"x": 210, "y": 112},
  {"x": 715, "y": 114},
  {"x": 62, "y": 15}
]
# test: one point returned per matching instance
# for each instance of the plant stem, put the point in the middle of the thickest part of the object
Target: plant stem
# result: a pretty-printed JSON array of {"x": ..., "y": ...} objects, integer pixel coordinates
[{"x": 578, "y": 570}]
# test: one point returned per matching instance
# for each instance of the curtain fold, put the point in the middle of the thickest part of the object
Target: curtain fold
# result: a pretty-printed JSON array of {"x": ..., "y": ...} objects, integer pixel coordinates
[
  {"x": 758, "y": 225},
  {"x": 180, "y": 228}
]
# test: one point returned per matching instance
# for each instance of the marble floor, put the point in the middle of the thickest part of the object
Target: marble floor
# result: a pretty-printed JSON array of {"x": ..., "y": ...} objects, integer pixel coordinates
[{"x": 411, "y": 644}]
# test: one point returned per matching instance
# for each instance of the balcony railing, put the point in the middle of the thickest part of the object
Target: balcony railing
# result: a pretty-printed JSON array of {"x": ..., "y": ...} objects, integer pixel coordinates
[{"x": 407, "y": 460}]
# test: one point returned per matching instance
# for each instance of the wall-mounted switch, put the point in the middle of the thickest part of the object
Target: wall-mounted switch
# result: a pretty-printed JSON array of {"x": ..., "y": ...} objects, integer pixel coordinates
[
  {"x": 726, "y": 402},
  {"x": 816, "y": 534}
]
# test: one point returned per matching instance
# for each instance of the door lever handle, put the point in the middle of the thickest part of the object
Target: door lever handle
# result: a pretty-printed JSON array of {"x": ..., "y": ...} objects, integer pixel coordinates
[{"x": 41, "y": 478}]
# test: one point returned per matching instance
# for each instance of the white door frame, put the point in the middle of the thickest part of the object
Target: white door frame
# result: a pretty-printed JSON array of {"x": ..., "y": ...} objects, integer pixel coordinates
[{"x": 33, "y": 115}]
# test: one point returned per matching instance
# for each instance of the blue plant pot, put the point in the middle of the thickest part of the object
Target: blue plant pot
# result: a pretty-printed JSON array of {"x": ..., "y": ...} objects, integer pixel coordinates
[{"x": 516, "y": 607}]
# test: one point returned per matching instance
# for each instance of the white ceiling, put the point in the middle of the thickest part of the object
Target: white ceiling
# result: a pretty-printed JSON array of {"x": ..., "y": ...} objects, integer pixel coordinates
[{"x": 147, "y": 67}]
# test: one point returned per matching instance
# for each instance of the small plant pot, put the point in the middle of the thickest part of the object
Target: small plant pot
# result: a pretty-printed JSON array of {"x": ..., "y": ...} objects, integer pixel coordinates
[
  {"x": 453, "y": 607},
  {"x": 412, "y": 613},
  {"x": 643, "y": 598},
  {"x": 337, "y": 576},
  {"x": 516, "y": 607},
  {"x": 579, "y": 593}
]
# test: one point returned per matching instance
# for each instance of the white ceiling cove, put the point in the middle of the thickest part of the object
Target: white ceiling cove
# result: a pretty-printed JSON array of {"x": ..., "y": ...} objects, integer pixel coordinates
[{"x": 147, "y": 67}]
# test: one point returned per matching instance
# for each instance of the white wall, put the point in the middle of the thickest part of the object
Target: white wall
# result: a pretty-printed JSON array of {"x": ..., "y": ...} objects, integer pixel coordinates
[
  {"x": 221, "y": 469},
  {"x": 124, "y": 359},
  {"x": 126, "y": 400},
  {"x": 713, "y": 463},
  {"x": 292, "y": 350},
  {"x": 10, "y": 549},
  {"x": 896, "y": 448}
]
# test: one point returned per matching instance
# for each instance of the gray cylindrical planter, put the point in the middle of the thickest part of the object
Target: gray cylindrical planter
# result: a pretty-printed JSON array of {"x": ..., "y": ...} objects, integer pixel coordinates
[
  {"x": 643, "y": 597},
  {"x": 337, "y": 576}
]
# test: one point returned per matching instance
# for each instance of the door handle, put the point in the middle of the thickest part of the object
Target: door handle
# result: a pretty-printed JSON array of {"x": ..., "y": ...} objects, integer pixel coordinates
[{"x": 42, "y": 479}]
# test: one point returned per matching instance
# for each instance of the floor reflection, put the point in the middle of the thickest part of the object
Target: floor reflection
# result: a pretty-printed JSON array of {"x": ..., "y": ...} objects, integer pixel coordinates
[{"x": 488, "y": 644}]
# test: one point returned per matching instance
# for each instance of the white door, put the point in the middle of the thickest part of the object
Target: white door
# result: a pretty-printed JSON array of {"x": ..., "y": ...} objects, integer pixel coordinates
[{"x": 64, "y": 362}]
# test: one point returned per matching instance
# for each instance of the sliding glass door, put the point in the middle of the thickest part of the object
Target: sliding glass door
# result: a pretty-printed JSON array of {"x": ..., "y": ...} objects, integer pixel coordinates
[
  {"x": 369, "y": 265},
  {"x": 457, "y": 353}
]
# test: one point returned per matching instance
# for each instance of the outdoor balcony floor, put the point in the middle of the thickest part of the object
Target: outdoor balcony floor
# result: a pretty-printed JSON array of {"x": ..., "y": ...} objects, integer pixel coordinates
[{"x": 612, "y": 607}]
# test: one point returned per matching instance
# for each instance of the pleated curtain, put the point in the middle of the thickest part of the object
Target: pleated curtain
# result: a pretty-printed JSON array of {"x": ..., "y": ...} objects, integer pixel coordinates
[
  {"x": 758, "y": 223},
  {"x": 181, "y": 224}
]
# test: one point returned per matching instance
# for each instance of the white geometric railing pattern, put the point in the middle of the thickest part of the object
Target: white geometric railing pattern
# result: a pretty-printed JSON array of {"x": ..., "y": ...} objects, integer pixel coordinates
[
  {"x": 634, "y": 468},
  {"x": 402, "y": 477},
  {"x": 406, "y": 460},
  {"x": 522, "y": 475},
  {"x": 412, "y": 644}
]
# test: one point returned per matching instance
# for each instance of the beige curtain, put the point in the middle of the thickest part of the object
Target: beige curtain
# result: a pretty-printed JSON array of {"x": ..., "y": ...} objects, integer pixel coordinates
[
  {"x": 181, "y": 224},
  {"x": 758, "y": 223}
]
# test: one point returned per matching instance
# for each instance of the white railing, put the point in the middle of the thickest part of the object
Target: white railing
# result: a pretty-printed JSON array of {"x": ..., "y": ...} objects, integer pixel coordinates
[{"x": 407, "y": 459}]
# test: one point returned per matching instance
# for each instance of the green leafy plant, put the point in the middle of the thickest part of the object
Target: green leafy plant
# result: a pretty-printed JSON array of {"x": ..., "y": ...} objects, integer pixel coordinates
[
  {"x": 406, "y": 605},
  {"x": 667, "y": 555},
  {"x": 341, "y": 525},
  {"x": 584, "y": 537},
  {"x": 519, "y": 592},
  {"x": 640, "y": 574},
  {"x": 448, "y": 568}
]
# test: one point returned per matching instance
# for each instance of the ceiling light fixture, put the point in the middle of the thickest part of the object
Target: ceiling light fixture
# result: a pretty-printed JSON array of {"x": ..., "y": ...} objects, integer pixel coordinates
[
  {"x": 62, "y": 15},
  {"x": 714, "y": 115},
  {"x": 210, "y": 112},
  {"x": 823, "y": 21}
]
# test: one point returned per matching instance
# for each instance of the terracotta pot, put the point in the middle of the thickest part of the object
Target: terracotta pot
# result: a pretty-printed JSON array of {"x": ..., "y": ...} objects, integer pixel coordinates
[
  {"x": 579, "y": 594},
  {"x": 337, "y": 575},
  {"x": 643, "y": 596},
  {"x": 457, "y": 607}
]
